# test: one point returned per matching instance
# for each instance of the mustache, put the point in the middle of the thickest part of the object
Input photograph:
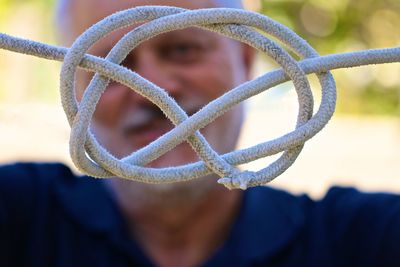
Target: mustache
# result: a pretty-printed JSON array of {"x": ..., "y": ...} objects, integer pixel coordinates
[{"x": 148, "y": 115}]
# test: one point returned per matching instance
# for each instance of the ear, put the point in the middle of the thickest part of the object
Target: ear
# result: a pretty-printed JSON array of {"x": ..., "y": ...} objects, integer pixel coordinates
[{"x": 248, "y": 55}]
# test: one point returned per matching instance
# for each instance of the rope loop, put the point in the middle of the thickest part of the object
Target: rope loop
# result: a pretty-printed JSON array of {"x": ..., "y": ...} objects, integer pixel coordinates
[{"x": 88, "y": 155}]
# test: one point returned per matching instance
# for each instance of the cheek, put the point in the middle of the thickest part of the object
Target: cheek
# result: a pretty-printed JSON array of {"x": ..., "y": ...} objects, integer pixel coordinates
[
  {"x": 110, "y": 106},
  {"x": 212, "y": 78},
  {"x": 82, "y": 80},
  {"x": 106, "y": 107},
  {"x": 227, "y": 126},
  {"x": 220, "y": 75}
]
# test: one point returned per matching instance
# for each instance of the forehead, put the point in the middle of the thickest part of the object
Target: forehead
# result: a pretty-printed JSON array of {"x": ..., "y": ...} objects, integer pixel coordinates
[{"x": 79, "y": 15}]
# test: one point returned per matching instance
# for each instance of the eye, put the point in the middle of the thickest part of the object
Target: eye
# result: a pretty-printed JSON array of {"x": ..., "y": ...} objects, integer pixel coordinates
[
  {"x": 182, "y": 52},
  {"x": 130, "y": 61}
]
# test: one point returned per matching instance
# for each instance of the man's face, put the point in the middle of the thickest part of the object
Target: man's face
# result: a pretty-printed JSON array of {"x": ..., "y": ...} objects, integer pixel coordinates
[{"x": 194, "y": 66}]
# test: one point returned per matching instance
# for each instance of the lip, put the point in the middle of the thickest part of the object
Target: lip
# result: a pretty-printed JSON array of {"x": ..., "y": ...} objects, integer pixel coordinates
[
  {"x": 147, "y": 133},
  {"x": 148, "y": 127}
]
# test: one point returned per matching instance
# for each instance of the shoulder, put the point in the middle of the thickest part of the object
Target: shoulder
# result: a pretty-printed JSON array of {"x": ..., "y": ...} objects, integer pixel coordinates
[
  {"x": 21, "y": 178},
  {"x": 357, "y": 197},
  {"x": 345, "y": 228},
  {"x": 339, "y": 206},
  {"x": 352, "y": 205},
  {"x": 25, "y": 169},
  {"x": 24, "y": 184},
  {"x": 354, "y": 214},
  {"x": 361, "y": 227}
]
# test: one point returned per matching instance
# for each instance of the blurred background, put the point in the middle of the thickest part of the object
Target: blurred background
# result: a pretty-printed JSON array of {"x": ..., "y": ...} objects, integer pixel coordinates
[{"x": 359, "y": 147}]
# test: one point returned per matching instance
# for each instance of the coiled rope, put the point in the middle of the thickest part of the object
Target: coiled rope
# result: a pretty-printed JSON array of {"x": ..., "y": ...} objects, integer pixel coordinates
[{"x": 91, "y": 158}]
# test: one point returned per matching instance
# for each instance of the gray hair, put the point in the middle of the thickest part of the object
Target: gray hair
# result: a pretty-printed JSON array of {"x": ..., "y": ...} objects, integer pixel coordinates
[
  {"x": 62, "y": 19},
  {"x": 230, "y": 3}
]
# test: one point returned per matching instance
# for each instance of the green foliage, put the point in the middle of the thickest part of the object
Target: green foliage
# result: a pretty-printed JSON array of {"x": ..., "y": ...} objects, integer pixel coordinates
[
  {"x": 372, "y": 100},
  {"x": 337, "y": 26}
]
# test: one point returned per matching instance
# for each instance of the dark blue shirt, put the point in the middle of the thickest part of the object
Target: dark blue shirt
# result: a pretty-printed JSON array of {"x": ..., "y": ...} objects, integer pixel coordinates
[{"x": 50, "y": 217}]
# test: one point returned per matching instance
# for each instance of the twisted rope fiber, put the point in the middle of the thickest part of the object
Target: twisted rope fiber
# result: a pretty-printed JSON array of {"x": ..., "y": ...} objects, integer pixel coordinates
[{"x": 91, "y": 158}]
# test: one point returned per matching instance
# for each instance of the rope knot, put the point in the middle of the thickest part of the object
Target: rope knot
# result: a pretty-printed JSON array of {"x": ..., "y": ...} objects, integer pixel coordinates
[
  {"x": 94, "y": 160},
  {"x": 91, "y": 158}
]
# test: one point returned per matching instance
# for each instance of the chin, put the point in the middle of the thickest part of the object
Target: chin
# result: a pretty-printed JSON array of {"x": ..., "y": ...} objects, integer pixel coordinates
[
  {"x": 180, "y": 155},
  {"x": 176, "y": 193}
]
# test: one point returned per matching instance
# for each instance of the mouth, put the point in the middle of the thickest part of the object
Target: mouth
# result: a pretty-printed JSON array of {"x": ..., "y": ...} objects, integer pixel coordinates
[
  {"x": 147, "y": 125},
  {"x": 145, "y": 133}
]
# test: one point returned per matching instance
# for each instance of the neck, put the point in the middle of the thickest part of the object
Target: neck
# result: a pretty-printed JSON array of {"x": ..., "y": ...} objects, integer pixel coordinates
[{"x": 177, "y": 231}]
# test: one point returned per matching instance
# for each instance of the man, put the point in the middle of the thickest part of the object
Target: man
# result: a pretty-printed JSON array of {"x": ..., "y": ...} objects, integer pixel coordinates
[{"x": 48, "y": 217}]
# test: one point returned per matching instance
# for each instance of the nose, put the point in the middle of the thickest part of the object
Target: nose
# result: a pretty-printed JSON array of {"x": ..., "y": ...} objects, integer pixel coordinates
[{"x": 147, "y": 65}]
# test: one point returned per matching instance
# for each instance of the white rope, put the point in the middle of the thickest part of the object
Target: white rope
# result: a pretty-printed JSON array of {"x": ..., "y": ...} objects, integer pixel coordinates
[{"x": 91, "y": 158}]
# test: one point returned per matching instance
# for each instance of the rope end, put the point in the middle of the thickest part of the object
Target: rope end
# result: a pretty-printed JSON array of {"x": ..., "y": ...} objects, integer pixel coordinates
[{"x": 238, "y": 181}]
